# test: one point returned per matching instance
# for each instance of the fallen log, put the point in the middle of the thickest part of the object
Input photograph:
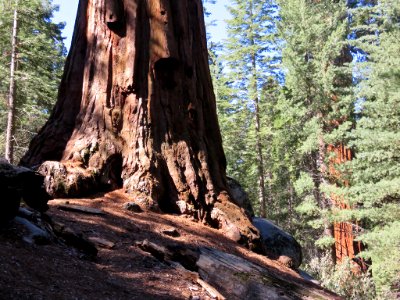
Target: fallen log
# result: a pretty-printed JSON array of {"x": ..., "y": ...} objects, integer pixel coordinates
[
  {"x": 81, "y": 209},
  {"x": 237, "y": 278},
  {"x": 76, "y": 240},
  {"x": 233, "y": 277},
  {"x": 103, "y": 243},
  {"x": 214, "y": 294}
]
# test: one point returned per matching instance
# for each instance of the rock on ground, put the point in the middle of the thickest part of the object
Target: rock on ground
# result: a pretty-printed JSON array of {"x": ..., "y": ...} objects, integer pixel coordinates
[
  {"x": 18, "y": 183},
  {"x": 278, "y": 244}
]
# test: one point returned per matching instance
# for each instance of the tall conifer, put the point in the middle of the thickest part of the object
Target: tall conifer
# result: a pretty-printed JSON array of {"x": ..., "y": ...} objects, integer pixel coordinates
[
  {"x": 314, "y": 34},
  {"x": 250, "y": 56},
  {"x": 375, "y": 172},
  {"x": 39, "y": 63}
]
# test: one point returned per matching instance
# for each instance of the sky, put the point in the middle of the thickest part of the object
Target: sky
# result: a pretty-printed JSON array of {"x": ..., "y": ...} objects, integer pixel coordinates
[{"x": 68, "y": 8}]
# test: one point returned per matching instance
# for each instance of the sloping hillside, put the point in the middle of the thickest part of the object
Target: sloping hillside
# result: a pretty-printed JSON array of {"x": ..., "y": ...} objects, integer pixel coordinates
[{"x": 121, "y": 269}]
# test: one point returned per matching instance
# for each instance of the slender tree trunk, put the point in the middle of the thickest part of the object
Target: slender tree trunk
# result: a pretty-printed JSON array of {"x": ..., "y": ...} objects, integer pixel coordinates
[
  {"x": 290, "y": 207},
  {"x": 323, "y": 200},
  {"x": 136, "y": 110},
  {"x": 270, "y": 198},
  {"x": 9, "y": 151},
  {"x": 260, "y": 160},
  {"x": 259, "y": 148}
]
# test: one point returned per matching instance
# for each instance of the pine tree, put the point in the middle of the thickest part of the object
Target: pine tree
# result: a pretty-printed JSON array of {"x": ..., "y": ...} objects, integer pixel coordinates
[
  {"x": 375, "y": 172},
  {"x": 249, "y": 57},
  {"x": 232, "y": 116},
  {"x": 39, "y": 62},
  {"x": 314, "y": 35}
]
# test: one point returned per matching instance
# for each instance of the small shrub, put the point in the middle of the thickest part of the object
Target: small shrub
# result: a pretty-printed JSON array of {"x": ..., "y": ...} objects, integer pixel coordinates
[{"x": 341, "y": 278}]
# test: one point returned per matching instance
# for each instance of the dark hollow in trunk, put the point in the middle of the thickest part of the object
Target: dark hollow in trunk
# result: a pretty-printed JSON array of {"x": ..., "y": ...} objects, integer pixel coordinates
[{"x": 136, "y": 108}]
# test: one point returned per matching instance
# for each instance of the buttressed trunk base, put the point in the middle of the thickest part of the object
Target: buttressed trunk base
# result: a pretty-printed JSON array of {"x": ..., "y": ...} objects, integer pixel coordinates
[{"x": 136, "y": 110}]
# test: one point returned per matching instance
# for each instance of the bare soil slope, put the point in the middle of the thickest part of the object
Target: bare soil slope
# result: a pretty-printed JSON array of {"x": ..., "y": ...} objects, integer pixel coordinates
[{"x": 124, "y": 271}]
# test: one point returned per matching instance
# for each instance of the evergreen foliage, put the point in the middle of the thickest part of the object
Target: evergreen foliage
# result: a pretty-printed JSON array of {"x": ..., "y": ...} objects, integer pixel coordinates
[
  {"x": 250, "y": 57},
  {"x": 324, "y": 101},
  {"x": 40, "y": 59},
  {"x": 375, "y": 172},
  {"x": 285, "y": 91},
  {"x": 316, "y": 95}
]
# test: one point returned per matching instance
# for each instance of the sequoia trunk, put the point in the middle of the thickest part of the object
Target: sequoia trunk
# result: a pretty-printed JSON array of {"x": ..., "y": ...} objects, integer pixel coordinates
[{"x": 136, "y": 109}]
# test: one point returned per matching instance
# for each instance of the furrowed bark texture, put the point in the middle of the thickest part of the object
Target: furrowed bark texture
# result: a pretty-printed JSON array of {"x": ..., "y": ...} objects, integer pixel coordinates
[
  {"x": 345, "y": 233},
  {"x": 136, "y": 108}
]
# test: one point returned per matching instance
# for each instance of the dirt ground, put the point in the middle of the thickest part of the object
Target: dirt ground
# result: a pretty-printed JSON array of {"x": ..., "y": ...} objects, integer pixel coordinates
[{"x": 58, "y": 271}]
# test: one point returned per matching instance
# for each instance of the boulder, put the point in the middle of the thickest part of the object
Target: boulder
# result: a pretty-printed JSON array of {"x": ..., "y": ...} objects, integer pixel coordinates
[
  {"x": 132, "y": 206},
  {"x": 278, "y": 244},
  {"x": 25, "y": 183},
  {"x": 9, "y": 203},
  {"x": 239, "y": 196}
]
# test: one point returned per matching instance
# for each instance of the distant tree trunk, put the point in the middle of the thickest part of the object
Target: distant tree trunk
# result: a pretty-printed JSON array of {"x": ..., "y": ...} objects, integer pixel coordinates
[
  {"x": 323, "y": 199},
  {"x": 346, "y": 245},
  {"x": 290, "y": 207},
  {"x": 344, "y": 232},
  {"x": 136, "y": 109},
  {"x": 260, "y": 163},
  {"x": 259, "y": 148},
  {"x": 9, "y": 151}
]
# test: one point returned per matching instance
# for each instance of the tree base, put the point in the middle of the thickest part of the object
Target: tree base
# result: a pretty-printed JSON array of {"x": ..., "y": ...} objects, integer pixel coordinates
[{"x": 73, "y": 180}]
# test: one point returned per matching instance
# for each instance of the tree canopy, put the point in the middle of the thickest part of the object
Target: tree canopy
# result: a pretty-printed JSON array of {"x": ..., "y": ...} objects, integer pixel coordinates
[
  {"x": 329, "y": 128},
  {"x": 39, "y": 63}
]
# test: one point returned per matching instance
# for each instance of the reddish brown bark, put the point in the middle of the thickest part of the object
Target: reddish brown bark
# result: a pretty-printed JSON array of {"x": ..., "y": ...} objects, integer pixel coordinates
[
  {"x": 344, "y": 232},
  {"x": 136, "y": 108}
]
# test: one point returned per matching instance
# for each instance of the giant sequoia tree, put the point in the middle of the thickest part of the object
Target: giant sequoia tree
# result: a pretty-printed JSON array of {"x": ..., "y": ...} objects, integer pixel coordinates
[{"x": 136, "y": 110}]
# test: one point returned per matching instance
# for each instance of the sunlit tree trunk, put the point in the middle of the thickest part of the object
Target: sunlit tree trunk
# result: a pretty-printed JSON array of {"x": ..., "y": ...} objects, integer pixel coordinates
[
  {"x": 9, "y": 151},
  {"x": 136, "y": 109},
  {"x": 259, "y": 147}
]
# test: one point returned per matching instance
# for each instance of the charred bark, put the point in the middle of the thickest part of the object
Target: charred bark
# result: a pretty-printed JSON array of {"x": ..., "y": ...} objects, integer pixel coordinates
[{"x": 136, "y": 109}]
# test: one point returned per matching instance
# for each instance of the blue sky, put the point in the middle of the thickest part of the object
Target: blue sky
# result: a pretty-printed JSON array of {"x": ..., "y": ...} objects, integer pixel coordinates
[{"x": 68, "y": 8}]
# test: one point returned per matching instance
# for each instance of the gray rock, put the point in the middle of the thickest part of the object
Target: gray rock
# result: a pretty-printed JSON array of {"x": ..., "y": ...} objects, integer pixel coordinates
[
  {"x": 20, "y": 182},
  {"x": 278, "y": 244},
  {"x": 171, "y": 232},
  {"x": 239, "y": 196},
  {"x": 131, "y": 206},
  {"x": 36, "y": 234}
]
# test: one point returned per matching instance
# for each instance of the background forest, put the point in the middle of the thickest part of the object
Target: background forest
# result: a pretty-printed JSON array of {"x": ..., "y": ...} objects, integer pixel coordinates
[{"x": 308, "y": 97}]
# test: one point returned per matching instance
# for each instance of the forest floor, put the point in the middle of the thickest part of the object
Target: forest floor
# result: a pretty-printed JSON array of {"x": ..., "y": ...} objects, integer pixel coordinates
[{"x": 121, "y": 270}]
